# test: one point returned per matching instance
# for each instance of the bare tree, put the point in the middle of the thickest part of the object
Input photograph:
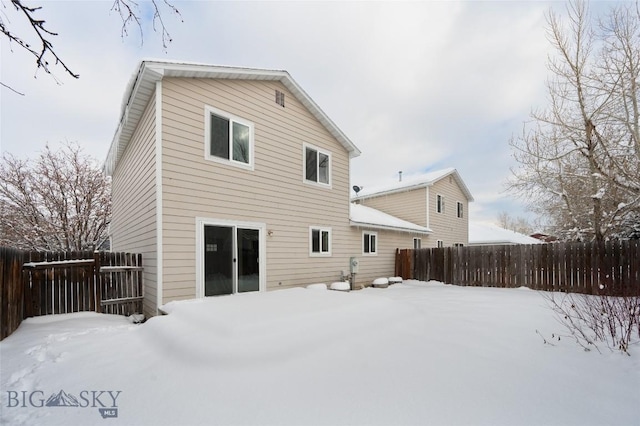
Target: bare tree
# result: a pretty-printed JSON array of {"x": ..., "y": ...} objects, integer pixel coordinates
[
  {"x": 38, "y": 42},
  {"x": 580, "y": 157},
  {"x": 60, "y": 201},
  {"x": 517, "y": 224}
]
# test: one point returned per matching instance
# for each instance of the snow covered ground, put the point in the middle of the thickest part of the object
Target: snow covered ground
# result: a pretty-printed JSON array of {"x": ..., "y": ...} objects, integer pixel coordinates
[{"x": 413, "y": 353}]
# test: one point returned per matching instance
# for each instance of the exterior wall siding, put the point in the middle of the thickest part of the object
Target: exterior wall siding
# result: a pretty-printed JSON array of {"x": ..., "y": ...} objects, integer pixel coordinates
[
  {"x": 383, "y": 263},
  {"x": 133, "y": 193},
  {"x": 412, "y": 206},
  {"x": 447, "y": 226},
  {"x": 407, "y": 205},
  {"x": 274, "y": 193}
]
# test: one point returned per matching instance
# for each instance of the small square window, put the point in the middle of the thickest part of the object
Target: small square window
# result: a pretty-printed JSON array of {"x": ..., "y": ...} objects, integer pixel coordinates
[
  {"x": 417, "y": 243},
  {"x": 319, "y": 241},
  {"x": 228, "y": 139},
  {"x": 369, "y": 243},
  {"x": 440, "y": 243},
  {"x": 317, "y": 166}
]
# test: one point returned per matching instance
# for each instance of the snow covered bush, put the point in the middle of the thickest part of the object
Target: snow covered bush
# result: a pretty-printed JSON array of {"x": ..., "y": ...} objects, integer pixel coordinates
[{"x": 590, "y": 320}]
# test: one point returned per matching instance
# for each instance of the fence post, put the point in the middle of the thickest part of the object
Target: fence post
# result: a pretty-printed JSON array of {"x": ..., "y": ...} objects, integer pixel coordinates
[{"x": 96, "y": 283}]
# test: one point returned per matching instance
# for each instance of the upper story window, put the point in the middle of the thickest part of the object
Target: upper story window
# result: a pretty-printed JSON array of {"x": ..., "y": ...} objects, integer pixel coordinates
[
  {"x": 317, "y": 166},
  {"x": 440, "y": 203},
  {"x": 369, "y": 243},
  {"x": 460, "y": 209},
  {"x": 228, "y": 139}
]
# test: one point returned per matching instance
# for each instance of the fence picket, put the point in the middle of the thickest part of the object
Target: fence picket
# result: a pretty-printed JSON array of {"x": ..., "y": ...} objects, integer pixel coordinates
[
  {"x": 611, "y": 268},
  {"x": 41, "y": 283}
]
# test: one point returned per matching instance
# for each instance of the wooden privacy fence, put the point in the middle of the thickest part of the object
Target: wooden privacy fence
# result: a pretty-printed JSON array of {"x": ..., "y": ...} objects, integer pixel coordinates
[
  {"x": 44, "y": 283},
  {"x": 11, "y": 290},
  {"x": 611, "y": 268}
]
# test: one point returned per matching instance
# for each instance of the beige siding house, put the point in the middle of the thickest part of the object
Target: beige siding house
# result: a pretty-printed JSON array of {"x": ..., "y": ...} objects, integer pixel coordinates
[
  {"x": 375, "y": 238},
  {"x": 230, "y": 180},
  {"x": 438, "y": 201}
]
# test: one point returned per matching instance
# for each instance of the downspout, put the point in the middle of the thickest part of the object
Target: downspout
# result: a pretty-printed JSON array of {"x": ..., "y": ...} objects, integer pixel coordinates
[{"x": 159, "y": 236}]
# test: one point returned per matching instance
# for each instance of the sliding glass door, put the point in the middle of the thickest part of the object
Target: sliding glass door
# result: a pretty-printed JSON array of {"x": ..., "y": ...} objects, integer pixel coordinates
[{"x": 231, "y": 260}]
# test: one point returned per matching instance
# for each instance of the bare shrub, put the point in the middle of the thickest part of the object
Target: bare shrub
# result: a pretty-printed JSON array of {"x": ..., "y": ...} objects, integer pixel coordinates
[{"x": 598, "y": 319}]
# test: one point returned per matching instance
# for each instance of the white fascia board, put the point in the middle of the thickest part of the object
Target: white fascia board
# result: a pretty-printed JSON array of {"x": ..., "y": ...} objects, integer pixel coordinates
[
  {"x": 424, "y": 231},
  {"x": 154, "y": 70}
]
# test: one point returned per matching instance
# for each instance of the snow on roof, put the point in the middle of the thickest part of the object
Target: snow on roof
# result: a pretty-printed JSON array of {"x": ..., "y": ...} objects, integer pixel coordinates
[
  {"x": 413, "y": 182},
  {"x": 142, "y": 86},
  {"x": 368, "y": 217},
  {"x": 487, "y": 234}
]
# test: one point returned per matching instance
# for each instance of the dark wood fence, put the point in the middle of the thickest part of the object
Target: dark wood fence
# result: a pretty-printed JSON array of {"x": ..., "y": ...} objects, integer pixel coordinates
[
  {"x": 609, "y": 268},
  {"x": 11, "y": 290},
  {"x": 44, "y": 283}
]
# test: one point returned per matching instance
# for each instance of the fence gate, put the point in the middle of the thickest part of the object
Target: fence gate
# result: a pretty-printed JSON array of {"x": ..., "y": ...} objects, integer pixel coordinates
[{"x": 45, "y": 283}]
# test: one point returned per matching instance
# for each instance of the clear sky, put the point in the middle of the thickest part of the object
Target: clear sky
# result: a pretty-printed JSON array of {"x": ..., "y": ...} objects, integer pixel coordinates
[{"x": 416, "y": 86}]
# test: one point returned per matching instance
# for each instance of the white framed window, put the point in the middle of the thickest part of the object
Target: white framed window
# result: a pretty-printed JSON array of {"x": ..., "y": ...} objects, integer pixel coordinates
[
  {"x": 319, "y": 241},
  {"x": 228, "y": 139},
  {"x": 417, "y": 243},
  {"x": 440, "y": 203},
  {"x": 440, "y": 243},
  {"x": 460, "y": 210},
  {"x": 317, "y": 166},
  {"x": 369, "y": 243}
]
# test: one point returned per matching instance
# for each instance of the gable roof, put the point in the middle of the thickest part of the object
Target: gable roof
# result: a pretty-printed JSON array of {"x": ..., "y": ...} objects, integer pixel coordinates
[
  {"x": 371, "y": 218},
  {"x": 414, "y": 182},
  {"x": 489, "y": 234},
  {"x": 142, "y": 86}
]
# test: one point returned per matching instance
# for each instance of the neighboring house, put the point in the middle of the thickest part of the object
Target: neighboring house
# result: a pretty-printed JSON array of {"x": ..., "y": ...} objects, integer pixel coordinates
[
  {"x": 231, "y": 180},
  {"x": 438, "y": 201},
  {"x": 545, "y": 238},
  {"x": 483, "y": 234},
  {"x": 380, "y": 234}
]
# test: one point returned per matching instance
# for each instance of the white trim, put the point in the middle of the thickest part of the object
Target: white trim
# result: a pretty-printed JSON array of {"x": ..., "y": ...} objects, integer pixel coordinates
[
  {"x": 321, "y": 229},
  {"x": 366, "y": 225},
  {"x": 201, "y": 222},
  {"x": 208, "y": 110},
  {"x": 304, "y": 166},
  {"x": 370, "y": 233},
  {"x": 148, "y": 72},
  {"x": 159, "y": 189},
  {"x": 411, "y": 184}
]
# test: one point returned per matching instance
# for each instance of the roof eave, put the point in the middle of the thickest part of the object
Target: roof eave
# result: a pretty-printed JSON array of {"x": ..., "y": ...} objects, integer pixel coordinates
[
  {"x": 151, "y": 71},
  {"x": 392, "y": 191},
  {"x": 390, "y": 228}
]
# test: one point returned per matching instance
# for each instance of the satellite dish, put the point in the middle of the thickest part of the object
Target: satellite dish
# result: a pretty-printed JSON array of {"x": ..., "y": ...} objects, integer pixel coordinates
[{"x": 357, "y": 188}]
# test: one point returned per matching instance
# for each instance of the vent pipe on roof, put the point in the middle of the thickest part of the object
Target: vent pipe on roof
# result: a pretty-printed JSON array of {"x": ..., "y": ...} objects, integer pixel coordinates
[{"x": 400, "y": 176}]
